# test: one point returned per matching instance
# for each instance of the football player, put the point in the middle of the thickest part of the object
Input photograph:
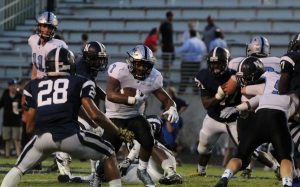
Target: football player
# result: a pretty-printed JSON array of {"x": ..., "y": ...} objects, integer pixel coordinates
[
  {"x": 259, "y": 47},
  {"x": 54, "y": 102},
  {"x": 42, "y": 42},
  {"x": 123, "y": 110},
  {"x": 266, "y": 128},
  {"x": 214, "y": 99},
  {"x": 162, "y": 163},
  {"x": 290, "y": 84},
  {"x": 94, "y": 59}
]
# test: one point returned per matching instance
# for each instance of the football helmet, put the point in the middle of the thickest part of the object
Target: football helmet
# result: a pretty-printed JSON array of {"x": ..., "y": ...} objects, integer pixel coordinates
[
  {"x": 294, "y": 45},
  {"x": 249, "y": 71},
  {"x": 49, "y": 19},
  {"x": 60, "y": 61},
  {"x": 140, "y": 62},
  {"x": 95, "y": 57},
  {"x": 156, "y": 124},
  {"x": 217, "y": 60},
  {"x": 259, "y": 47}
]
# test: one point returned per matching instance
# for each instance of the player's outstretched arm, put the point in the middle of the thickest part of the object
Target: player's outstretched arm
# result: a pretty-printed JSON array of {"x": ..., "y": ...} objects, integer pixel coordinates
[
  {"x": 97, "y": 116},
  {"x": 170, "y": 105},
  {"x": 101, "y": 120}
]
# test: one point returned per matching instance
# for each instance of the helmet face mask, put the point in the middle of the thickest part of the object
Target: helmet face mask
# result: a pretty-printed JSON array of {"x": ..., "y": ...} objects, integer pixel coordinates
[
  {"x": 259, "y": 47},
  {"x": 249, "y": 71},
  {"x": 140, "y": 62},
  {"x": 60, "y": 62},
  {"x": 217, "y": 61},
  {"x": 46, "y": 25},
  {"x": 95, "y": 56},
  {"x": 294, "y": 45}
]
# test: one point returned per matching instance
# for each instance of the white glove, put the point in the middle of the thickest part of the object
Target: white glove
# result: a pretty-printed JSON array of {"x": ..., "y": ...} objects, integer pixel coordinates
[
  {"x": 228, "y": 111},
  {"x": 220, "y": 93},
  {"x": 172, "y": 114},
  {"x": 137, "y": 99}
]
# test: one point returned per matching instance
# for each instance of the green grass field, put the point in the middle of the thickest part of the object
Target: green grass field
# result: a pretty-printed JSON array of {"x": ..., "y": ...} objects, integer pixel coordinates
[{"x": 260, "y": 178}]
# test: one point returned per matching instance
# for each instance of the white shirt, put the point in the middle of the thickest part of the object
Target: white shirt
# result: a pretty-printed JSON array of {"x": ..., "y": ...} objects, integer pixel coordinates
[
  {"x": 119, "y": 71},
  {"x": 270, "y": 63},
  {"x": 40, "y": 52},
  {"x": 270, "y": 98}
]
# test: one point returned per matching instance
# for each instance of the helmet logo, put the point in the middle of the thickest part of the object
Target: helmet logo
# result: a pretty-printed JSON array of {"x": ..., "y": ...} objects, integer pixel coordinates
[{"x": 86, "y": 47}]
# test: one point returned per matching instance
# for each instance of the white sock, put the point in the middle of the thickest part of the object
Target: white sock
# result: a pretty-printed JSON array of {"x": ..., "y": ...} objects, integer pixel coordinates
[
  {"x": 228, "y": 174},
  {"x": 115, "y": 183},
  {"x": 93, "y": 166},
  {"x": 142, "y": 165},
  {"x": 201, "y": 169},
  {"x": 12, "y": 178},
  {"x": 287, "y": 181}
]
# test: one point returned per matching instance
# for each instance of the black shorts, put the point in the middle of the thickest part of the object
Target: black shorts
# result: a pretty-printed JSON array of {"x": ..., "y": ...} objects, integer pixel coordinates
[{"x": 138, "y": 125}]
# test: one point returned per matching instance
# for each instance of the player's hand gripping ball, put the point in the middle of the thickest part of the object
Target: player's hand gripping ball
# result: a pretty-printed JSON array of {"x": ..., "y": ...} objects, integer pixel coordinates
[{"x": 229, "y": 87}]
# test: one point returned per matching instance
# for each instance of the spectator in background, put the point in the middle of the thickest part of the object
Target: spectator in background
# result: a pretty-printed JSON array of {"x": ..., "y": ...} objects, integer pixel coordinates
[
  {"x": 209, "y": 31},
  {"x": 84, "y": 40},
  {"x": 152, "y": 40},
  {"x": 12, "y": 130},
  {"x": 167, "y": 45},
  {"x": 170, "y": 130},
  {"x": 192, "y": 25},
  {"x": 218, "y": 41},
  {"x": 193, "y": 51}
]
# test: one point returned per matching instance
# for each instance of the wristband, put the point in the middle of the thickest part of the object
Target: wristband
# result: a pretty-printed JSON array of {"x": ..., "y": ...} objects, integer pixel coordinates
[{"x": 131, "y": 100}]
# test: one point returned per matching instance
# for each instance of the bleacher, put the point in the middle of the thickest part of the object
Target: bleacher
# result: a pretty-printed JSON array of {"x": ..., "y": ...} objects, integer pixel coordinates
[{"x": 122, "y": 24}]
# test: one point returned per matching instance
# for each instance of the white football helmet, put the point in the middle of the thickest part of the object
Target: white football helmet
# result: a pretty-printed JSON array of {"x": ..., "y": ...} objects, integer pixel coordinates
[
  {"x": 140, "y": 62},
  {"x": 259, "y": 47},
  {"x": 49, "y": 19}
]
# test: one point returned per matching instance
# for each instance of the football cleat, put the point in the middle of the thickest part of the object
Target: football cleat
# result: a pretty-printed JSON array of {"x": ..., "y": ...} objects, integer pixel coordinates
[
  {"x": 246, "y": 173},
  {"x": 277, "y": 173},
  {"x": 144, "y": 176},
  {"x": 63, "y": 178},
  {"x": 222, "y": 182},
  {"x": 96, "y": 181},
  {"x": 172, "y": 179},
  {"x": 201, "y": 173}
]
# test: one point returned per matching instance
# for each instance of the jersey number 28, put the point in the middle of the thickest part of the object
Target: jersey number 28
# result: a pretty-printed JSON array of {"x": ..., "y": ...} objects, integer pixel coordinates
[{"x": 55, "y": 92}]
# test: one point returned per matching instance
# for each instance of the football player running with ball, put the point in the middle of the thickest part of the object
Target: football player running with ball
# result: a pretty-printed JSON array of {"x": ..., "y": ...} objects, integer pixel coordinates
[{"x": 123, "y": 109}]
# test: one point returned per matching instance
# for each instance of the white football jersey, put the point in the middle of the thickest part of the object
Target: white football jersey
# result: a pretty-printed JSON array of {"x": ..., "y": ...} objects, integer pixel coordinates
[
  {"x": 119, "y": 71},
  {"x": 234, "y": 63},
  {"x": 270, "y": 98},
  {"x": 39, "y": 52},
  {"x": 270, "y": 63}
]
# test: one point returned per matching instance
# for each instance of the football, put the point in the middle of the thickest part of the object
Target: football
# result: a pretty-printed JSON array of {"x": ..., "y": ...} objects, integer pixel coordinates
[{"x": 128, "y": 91}]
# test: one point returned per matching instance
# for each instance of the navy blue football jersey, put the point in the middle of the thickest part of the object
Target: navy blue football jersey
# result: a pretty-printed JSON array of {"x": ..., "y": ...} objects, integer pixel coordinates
[
  {"x": 290, "y": 63},
  {"x": 57, "y": 101},
  {"x": 209, "y": 84},
  {"x": 83, "y": 70}
]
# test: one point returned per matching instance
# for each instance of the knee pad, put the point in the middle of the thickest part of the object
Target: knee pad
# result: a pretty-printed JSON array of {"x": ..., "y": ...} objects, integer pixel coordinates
[{"x": 202, "y": 149}]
